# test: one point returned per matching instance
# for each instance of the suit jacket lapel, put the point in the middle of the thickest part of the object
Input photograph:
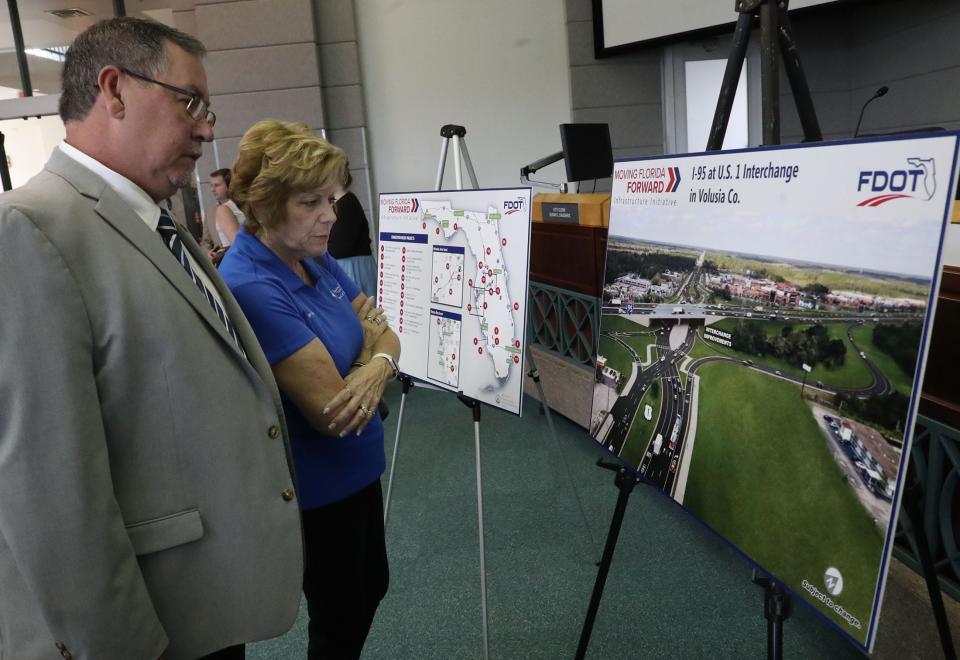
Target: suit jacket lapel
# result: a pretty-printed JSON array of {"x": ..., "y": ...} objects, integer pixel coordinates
[
  {"x": 244, "y": 331},
  {"x": 124, "y": 220}
]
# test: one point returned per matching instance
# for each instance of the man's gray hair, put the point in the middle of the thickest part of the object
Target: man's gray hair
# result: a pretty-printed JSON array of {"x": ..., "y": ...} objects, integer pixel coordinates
[{"x": 132, "y": 43}]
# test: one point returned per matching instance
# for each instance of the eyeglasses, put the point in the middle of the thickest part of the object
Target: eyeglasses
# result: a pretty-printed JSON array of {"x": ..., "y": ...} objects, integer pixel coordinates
[{"x": 197, "y": 107}]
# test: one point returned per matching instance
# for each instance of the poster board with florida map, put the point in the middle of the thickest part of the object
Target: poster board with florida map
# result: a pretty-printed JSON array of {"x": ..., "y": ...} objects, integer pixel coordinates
[
  {"x": 452, "y": 279},
  {"x": 765, "y": 322}
]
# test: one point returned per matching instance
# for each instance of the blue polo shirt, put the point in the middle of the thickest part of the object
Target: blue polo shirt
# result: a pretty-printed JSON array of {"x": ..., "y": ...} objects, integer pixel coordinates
[{"x": 286, "y": 315}]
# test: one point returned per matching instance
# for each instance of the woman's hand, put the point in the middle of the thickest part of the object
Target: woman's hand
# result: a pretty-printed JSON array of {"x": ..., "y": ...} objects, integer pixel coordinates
[
  {"x": 374, "y": 324},
  {"x": 356, "y": 404}
]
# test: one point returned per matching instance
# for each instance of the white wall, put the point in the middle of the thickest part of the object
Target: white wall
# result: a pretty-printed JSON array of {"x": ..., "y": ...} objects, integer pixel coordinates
[
  {"x": 498, "y": 67},
  {"x": 29, "y": 143}
]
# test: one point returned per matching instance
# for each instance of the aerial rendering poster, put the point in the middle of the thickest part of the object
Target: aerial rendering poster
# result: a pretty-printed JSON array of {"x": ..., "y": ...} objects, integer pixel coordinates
[
  {"x": 452, "y": 280},
  {"x": 762, "y": 343}
]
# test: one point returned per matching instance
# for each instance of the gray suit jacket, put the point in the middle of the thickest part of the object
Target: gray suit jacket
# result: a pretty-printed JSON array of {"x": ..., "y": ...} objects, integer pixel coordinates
[{"x": 144, "y": 467}]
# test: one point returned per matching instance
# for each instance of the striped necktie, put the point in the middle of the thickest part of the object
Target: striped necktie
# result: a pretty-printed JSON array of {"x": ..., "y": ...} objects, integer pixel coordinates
[{"x": 168, "y": 232}]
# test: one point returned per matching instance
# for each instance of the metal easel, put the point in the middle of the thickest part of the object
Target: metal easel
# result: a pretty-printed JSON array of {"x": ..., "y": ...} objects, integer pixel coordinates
[{"x": 457, "y": 134}]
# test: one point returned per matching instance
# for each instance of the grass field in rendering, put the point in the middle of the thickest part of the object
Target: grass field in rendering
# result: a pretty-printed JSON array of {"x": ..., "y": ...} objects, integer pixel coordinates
[
  {"x": 641, "y": 429},
  {"x": 703, "y": 348},
  {"x": 617, "y": 356},
  {"x": 616, "y": 323},
  {"x": 901, "y": 381},
  {"x": 853, "y": 373},
  {"x": 639, "y": 343},
  {"x": 762, "y": 476}
]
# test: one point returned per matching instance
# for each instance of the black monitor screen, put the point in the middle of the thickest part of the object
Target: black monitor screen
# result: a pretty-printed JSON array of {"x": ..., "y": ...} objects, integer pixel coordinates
[{"x": 586, "y": 150}]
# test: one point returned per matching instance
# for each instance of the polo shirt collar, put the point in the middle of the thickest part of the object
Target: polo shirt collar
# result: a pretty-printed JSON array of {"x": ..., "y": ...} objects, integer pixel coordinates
[{"x": 252, "y": 247}]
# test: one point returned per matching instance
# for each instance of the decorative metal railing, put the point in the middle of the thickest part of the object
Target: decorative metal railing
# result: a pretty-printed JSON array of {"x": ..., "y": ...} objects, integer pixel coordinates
[
  {"x": 564, "y": 322},
  {"x": 935, "y": 460}
]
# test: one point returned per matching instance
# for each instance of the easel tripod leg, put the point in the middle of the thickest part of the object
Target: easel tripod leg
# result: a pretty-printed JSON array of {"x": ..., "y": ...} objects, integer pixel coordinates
[
  {"x": 483, "y": 563},
  {"x": 625, "y": 481},
  {"x": 407, "y": 384},
  {"x": 798, "y": 80},
  {"x": 534, "y": 373},
  {"x": 731, "y": 77},
  {"x": 911, "y": 504},
  {"x": 474, "y": 406},
  {"x": 776, "y": 608}
]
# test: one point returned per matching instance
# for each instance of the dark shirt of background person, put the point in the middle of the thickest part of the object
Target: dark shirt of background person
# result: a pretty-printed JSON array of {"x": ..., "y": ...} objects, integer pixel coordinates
[{"x": 350, "y": 235}]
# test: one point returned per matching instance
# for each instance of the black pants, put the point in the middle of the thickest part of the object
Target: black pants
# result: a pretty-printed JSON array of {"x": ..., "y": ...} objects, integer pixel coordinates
[
  {"x": 231, "y": 653},
  {"x": 345, "y": 572}
]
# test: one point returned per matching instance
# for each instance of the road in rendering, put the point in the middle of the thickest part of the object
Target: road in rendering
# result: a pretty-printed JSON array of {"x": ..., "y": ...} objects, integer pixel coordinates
[{"x": 661, "y": 458}]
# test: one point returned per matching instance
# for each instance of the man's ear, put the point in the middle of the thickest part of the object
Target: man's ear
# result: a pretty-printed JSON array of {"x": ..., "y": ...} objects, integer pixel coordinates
[{"x": 110, "y": 83}]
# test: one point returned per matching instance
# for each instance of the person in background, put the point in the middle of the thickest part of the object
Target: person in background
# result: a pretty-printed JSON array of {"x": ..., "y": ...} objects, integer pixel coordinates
[
  {"x": 350, "y": 242},
  {"x": 332, "y": 354},
  {"x": 228, "y": 217},
  {"x": 146, "y": 501}
]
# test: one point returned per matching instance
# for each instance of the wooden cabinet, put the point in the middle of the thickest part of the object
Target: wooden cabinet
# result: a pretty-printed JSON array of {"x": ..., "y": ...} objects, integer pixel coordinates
[
  {"x": 941, "y": 386},
  {"x": 568, "y": 256}
]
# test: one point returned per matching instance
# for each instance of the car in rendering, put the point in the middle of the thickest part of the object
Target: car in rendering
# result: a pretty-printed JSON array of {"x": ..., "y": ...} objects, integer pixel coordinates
[
  {"x": 657, "y": 444},
  {"x": 778, "y": 372}
]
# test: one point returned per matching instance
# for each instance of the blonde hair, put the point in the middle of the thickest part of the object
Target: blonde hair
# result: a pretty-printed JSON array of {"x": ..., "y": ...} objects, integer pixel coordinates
[{"x": 276, "y": 160}]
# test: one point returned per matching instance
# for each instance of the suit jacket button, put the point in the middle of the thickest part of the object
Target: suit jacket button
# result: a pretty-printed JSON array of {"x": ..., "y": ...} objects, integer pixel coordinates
[
  {"x": 287, "y": 494},
  {"x": 274, "y": 432}
]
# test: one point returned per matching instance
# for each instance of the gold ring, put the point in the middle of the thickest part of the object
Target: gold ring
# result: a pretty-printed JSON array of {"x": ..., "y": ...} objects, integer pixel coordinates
[
  {"x": 365, "y": 410},
  {"x": 368, "y": 318}
]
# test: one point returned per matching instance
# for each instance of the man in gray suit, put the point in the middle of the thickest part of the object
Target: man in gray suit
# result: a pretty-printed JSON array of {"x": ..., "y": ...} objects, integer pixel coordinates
[{"x": 146, "y": 497}]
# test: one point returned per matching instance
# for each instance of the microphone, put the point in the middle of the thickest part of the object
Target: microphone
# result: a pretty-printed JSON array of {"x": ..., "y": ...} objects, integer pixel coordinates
[{"x": 877, "y": 94}]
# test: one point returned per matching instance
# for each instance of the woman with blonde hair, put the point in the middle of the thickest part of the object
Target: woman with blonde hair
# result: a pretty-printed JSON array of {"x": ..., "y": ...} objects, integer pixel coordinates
[{"x": 332, "y": 354}]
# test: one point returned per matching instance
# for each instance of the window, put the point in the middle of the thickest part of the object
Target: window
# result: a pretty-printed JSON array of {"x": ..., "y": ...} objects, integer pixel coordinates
[{"x": 31, "y": 127}]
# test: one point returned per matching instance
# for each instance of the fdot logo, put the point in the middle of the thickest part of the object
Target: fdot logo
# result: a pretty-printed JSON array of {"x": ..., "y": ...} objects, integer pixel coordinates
[
  {"x": 919, "y": 181},
  {"x": 510, "y": 207},
  {"x": 833, "y": 581}
]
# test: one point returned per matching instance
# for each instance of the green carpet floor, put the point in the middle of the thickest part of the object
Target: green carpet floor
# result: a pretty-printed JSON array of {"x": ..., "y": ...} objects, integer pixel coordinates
[{"x": 674, "y": 590}]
